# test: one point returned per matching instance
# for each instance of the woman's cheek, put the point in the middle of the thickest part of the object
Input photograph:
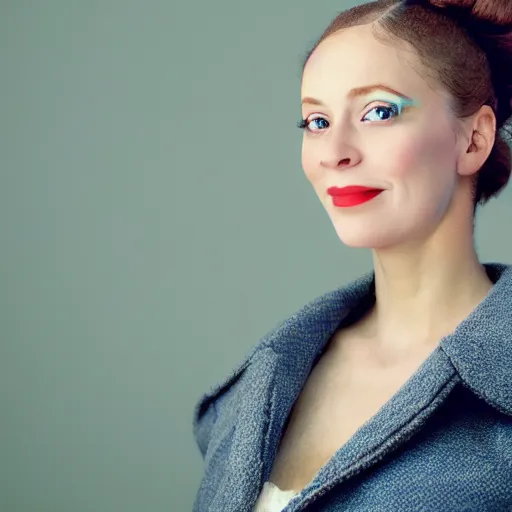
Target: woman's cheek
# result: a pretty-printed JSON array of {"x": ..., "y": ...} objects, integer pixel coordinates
[{"x": 407, "y": 160}]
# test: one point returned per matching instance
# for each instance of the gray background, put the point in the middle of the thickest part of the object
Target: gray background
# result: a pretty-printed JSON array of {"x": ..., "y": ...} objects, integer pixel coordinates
[{"x": 155, "y": 222}]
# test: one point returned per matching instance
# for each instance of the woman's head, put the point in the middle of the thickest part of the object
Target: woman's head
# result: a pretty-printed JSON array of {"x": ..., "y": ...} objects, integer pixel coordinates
[{"x": 437, "y": 152}]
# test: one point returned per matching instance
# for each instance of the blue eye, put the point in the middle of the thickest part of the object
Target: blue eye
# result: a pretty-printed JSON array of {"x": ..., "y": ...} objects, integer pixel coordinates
[
  {"x": 385, "y": 112},
  {"x": 391, "y": 109},
  {"x": 305, "y": 124}
]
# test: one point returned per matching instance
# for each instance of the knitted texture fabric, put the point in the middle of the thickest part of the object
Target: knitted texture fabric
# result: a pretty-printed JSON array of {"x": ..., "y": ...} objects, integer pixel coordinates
[{"x": 442, "y": 443}]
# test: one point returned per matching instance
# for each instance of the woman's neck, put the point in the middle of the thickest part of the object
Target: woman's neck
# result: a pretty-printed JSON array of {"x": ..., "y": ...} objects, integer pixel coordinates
[{"x": 420, "y": 299}]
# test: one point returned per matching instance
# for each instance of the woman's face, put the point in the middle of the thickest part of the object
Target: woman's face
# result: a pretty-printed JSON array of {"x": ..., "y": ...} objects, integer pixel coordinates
[{"x": 407, "y": 147}]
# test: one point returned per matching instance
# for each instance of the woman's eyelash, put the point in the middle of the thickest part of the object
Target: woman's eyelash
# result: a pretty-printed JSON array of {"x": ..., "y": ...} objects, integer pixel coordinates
[
  {"x": 395, "y": 109},
  {"x": 303, "y": 123}
]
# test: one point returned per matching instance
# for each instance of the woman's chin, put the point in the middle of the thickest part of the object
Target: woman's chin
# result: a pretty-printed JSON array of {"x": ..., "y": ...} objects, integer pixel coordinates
[{"x": 365, "y": 238}]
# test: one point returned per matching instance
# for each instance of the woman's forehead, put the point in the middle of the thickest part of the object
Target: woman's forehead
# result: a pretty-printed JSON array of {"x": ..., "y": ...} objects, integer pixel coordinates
[
  {"x": 356, "y": 50},
  {"x": 354, "y": 58}
]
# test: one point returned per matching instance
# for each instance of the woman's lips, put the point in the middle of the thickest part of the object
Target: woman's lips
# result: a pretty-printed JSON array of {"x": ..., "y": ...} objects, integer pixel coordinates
[{"x": 353, "y": 195}]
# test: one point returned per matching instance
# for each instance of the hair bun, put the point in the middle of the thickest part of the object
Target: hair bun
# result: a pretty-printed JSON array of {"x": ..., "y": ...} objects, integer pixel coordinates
[
  {"x": 497, "y": 12},
  {"x": 489, "y": 24},
  {"x": 493, "y": 12}
]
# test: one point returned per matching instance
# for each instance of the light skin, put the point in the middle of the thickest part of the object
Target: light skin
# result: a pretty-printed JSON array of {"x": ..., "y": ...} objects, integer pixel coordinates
[{"x": 420, "y": 229}]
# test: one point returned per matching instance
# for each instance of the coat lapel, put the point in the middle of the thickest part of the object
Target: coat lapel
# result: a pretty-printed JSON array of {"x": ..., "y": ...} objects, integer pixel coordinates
[
  {"x": 394, "y": 424},
  {"x": 241, "y": 481},
  {"x": 273, "y": 376}
]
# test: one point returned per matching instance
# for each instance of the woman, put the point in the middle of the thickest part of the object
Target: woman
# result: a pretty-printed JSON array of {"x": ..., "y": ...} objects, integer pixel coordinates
[{"x": 393, "y": 393}]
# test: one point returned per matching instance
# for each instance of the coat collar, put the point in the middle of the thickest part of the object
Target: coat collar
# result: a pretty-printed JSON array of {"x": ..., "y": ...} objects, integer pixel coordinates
[{"x": 479, "y": 349}]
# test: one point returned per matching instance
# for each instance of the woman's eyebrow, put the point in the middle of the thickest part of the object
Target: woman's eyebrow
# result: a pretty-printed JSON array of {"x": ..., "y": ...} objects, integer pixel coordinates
[{"x": 361, "y": 91}]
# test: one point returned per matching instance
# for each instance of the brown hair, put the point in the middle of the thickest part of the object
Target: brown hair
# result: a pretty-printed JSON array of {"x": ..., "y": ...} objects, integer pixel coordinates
[{"x": 466, "y": 45}]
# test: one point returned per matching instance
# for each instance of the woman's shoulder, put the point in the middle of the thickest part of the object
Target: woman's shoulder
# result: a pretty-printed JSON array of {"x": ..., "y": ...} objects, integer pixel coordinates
[{"x": 480, "y": 348}]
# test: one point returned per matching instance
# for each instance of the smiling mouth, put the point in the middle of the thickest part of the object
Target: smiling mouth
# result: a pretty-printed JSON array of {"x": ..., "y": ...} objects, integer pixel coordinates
[
  {"x": 347, "y": 200},
  {"x": 352, "y": 189}
]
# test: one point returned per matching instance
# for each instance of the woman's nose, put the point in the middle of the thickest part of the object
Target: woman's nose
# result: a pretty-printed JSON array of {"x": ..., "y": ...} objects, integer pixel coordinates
[{"x": 341, "y": 159}]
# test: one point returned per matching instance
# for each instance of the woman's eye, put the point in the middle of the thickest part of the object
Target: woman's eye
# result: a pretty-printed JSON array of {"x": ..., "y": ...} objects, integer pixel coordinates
[
  {"x": 314, "y": 125},
  {"x": 386, "y": 111},
  {"x": 379, "y": 113}
]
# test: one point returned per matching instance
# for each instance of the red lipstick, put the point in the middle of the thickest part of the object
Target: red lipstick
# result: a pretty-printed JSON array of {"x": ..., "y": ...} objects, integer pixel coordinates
[{"x": 352, "y": 196}]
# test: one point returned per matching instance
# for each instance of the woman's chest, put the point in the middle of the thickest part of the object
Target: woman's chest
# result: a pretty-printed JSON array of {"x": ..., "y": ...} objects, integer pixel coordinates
[{"x": 336, "y": 400}]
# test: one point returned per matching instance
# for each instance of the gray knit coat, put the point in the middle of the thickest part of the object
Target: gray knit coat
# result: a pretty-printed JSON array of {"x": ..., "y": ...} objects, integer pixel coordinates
[{"x": 442, "y": 443}]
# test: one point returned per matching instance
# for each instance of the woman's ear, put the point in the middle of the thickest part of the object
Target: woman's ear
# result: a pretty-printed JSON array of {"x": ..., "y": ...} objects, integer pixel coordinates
[{"x": 477, "y": 145}]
